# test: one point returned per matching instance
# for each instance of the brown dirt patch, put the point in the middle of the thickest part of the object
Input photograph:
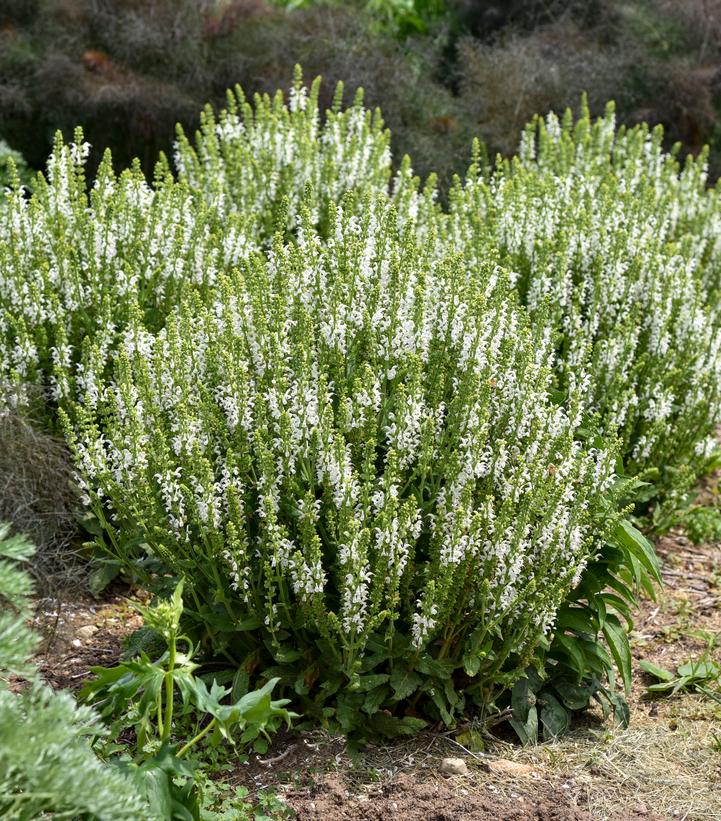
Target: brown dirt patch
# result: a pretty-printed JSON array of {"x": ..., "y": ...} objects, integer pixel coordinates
[
  {"x": 81, "y": 634},
  {"x": 417, "y": 800}
]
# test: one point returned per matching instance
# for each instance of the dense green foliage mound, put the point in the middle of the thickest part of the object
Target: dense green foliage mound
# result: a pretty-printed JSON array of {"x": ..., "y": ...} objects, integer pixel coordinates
[{"x": 384, "y": 441}]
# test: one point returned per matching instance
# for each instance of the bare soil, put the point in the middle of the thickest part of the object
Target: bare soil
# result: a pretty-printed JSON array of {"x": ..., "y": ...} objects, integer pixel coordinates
[{"x": 666, "y": 765}]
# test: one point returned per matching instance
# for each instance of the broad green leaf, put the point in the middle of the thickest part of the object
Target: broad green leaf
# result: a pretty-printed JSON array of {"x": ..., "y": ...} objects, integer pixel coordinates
[
  {"x": 554, "y": 716},
  {"x": 617, "y": 641},
  {"x": 655, "y": 670},
  {"x": 404, "y": 682}
]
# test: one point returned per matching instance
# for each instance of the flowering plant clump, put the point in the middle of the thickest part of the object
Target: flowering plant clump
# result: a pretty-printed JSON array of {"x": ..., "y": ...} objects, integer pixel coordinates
[
  {"x": 612, "y": 245},
  {"x": 374, "y": 436},
  {"x": 75, "y": 266},
  {"x": 350, "y": 455},
  {"x": 259, "y": 159}
]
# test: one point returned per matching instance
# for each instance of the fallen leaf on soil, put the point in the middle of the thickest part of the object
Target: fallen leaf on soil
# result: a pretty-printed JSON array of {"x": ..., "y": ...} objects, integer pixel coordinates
[{"x": 506, "y": 767}]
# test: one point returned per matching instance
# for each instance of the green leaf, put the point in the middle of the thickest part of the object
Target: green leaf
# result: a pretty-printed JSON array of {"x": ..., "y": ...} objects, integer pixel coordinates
[
  {"x": 286, "y": 655},
  {"x": 103, "y": 573},
  {"x": 472, "y": 740},
  {"x": 702, "y": 670},
  {"x": 573, "y": 652},
  {"x": 435, "y": 667},
  {"x": 365, "y": 683},
  {"x": 375, "y": 699},
  {"x": 579, "y": 619},
  {"x": 241, "y": 682},
  {"x": 527, "y": 731},
  {"x": 617, "y": 641},
  {"x": 522, "y": 699},
  {"x": 392, "y": 727},
  {"x": 655, "y": 670},
  {"x": 471, "y": 664},
  {"x": 554, "y": 716},
  {"x": 633, "y": 540},
  {"x": 441, "y": 703},
  {"x": 574, "y": 696},
  {"x": 404, "y": 682}
]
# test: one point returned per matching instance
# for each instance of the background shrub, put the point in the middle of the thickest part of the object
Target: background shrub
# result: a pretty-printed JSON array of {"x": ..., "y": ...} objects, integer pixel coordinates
[{"x": 130, "y": 71}]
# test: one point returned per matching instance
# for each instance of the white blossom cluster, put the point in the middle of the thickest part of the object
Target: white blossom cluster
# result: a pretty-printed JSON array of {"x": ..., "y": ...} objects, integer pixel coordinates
[
  {"x": 75, "y": 266},
  {"x": 614, "y": 247},
  {"x": 351, "y": 437},
  {"x": 249, "y": 159}
]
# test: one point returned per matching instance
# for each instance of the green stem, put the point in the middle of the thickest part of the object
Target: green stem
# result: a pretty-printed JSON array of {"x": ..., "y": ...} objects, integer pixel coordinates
[
  {"x": 183, "y": 750},
  {"x": 168, "y": 723}
]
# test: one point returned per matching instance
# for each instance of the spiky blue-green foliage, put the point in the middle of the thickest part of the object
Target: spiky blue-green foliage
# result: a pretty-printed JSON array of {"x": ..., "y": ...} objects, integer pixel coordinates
[{"x": 47, "y": 767}]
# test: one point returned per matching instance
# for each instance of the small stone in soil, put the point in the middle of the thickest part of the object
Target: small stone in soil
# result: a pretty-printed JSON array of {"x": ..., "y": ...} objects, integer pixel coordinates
[{"x": 454, "y": 766}]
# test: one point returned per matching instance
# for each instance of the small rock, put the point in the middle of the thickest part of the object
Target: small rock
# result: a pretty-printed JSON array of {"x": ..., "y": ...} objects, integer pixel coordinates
[
  {"x": 506, "y": 767},
  {"x": 76, "y": 642},
  {"x": 454, "y": 766},
  {"x": 87, "y": 631}
]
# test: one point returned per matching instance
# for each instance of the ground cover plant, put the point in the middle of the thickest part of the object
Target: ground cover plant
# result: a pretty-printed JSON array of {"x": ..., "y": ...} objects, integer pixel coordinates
[
  {"x": 46, "y": 763},
  {"x": 387, "y": 444}
]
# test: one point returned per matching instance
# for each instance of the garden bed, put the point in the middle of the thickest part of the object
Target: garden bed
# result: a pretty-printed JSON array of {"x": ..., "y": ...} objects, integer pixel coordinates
[{"x": 665, "y": 765}]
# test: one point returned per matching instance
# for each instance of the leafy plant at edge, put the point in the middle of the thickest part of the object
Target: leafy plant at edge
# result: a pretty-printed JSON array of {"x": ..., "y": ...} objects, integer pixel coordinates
[{"x": 140, "y": 694}]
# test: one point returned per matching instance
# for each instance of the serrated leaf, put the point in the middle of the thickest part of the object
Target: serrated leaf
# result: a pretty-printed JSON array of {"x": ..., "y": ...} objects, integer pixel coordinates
[
  {"x": 365, "y": 683},
  {"x": 375, "y": 699}
]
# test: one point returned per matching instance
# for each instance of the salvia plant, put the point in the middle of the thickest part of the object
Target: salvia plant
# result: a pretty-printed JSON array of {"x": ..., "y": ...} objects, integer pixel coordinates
[
  {"x": 377, "y": 435},
  {"x": 611, "y": 243},
  {"x": 351, "y": 457},
  {"x": 76, "y": 264},
  {"x": 259, "y": 159},
  {"x": 81, "y": 257}
]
